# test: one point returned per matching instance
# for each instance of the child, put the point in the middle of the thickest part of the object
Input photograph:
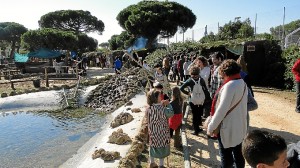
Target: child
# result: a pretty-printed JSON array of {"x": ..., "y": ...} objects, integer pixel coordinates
[
  {"x": 157, "y": 114},
  {"x": 159, "y": 76},
  {"x": 197, "y": 109},
  {"x": 175, "y": 121},
  {"x": 263, "y": 149},
  {"x": 160, "y": 87}
]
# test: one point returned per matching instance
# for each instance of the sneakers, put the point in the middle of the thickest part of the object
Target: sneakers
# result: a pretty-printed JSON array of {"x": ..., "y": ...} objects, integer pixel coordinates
[
  {"x": 197, "y": 132},
  {"x": 212, "y": 137}
]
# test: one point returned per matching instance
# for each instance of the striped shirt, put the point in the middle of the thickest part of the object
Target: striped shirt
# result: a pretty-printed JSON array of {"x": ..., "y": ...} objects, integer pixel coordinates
[
  {"x": 159, "y": 132},
  {"x": 216, "y": 81}
]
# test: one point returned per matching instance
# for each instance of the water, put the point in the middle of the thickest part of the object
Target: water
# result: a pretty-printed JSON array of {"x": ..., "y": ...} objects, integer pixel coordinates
[{"x": 41, "y": 139}]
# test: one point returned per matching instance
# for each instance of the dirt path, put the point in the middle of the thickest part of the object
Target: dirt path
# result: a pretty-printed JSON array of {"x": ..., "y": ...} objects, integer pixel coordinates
[{"x": 275, "y": 114}]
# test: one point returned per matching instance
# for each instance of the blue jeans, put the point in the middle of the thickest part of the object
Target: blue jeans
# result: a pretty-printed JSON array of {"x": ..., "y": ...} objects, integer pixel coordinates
[{"x": 232, "y": 156}]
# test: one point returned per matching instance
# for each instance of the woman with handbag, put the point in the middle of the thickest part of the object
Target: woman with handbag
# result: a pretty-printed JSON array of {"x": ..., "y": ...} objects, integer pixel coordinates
[{"x": 229, "y": 115}]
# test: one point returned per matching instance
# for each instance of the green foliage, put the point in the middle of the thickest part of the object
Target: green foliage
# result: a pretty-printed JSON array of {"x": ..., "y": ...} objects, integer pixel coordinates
[
  {"x": 209, "y": 38},
  {"x": 188, "y": 46},
  {"x": 264, "y": 36},
  {"x": 236, "y": 29},
  {"x": 291, "y": 54},
  {"x": 121, "y": 41},
  {"x": 10, "y": 33},
  {"x": 156, "y": 57},
  {"x": 113, "y": 43},
  {"x": 78, "y": 21},
  {"x": 104, "y": 45},
  {"x": 49, "y": 38},
  {"x": 288, "y": 28},
  {"x": 86, "y": 43},
  {"x": 151, "y": 18}
]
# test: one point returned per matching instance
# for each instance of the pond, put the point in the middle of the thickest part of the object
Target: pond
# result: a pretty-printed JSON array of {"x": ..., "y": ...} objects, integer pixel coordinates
[{"x": 29, "y": 139}]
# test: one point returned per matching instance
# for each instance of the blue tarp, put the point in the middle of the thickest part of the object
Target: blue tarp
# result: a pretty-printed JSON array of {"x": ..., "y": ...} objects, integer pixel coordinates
[
  {"x": 44, "y": 53},
  {"x": 139, "y": 43},
  {"x": 21, "y": 57},
  {"x": 41, "y": 53}
]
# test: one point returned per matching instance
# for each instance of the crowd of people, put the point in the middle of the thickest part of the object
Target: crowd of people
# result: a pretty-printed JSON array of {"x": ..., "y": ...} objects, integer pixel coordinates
[
  {"x": 220, "y": 94},
  {"x": 220, "y": 97}
]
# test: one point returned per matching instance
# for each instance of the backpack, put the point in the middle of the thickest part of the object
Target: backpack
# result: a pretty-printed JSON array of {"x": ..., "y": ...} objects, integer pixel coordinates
[{"x": 197, "y": 96}]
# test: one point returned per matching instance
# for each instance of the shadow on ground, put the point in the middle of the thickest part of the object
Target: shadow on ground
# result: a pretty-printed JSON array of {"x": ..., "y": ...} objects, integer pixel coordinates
[{"x": 289, "y": 137}]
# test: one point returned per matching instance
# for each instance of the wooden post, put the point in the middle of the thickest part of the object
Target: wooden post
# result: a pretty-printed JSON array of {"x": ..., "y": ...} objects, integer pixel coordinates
[
  {"x": 11, "y": 83},
  {"x": 76, "y": 71},
  {"x": 46, "y": 77}
]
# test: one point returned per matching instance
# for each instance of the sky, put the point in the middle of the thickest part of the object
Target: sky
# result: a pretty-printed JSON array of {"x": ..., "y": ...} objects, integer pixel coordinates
[{"x": 212, "y": 13}]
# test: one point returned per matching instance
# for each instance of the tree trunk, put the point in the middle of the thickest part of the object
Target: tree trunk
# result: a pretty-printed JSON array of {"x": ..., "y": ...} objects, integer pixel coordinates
[
  {"x": 13, "y": 46},
  {"x": 18, "y": 49}
]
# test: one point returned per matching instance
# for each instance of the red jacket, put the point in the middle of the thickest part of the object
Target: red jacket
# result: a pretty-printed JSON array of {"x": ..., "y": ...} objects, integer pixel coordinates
[{"x": 296, "y": 70}]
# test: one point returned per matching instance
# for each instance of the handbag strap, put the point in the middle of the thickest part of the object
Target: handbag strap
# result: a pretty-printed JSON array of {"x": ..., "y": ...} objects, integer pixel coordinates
[{"x": 236, "y": 103}]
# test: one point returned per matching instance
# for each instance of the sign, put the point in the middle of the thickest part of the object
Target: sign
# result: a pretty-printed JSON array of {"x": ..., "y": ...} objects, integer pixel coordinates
[{"x": 250, "y": 48}]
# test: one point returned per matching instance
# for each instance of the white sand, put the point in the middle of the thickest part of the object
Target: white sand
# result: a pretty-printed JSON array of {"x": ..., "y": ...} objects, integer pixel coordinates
[
  {"x": 45, "y": 100},
  {"x": 83, "y": 158}
]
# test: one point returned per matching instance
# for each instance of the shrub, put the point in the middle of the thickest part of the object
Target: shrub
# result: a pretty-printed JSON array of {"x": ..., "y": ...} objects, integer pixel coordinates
[{"x": 291, "y": 54}]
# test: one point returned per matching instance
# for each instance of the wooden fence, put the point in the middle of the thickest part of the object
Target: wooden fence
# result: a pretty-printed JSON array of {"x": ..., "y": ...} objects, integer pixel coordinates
[{"x": 10, "y": 74}]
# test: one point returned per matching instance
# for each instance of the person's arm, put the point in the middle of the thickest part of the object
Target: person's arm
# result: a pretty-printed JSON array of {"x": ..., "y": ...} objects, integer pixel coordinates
[
  {"x": 225, "y": 98},
  {"x": 185, "y": 66},
  {"x": 249, "y": 85},
  {"x": 251, "y": 103},
  {"x": 184, "y": 85},
  {"x": 205, "y": 90},
  {"x": 220, "y": 80},
  {"x": 205, "y": 72}
]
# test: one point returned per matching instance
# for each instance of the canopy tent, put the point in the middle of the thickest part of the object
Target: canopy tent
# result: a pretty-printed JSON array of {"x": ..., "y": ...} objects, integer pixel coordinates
[
  {"x": 41, "y": 53},
  {"x": 237, "y": 50}
]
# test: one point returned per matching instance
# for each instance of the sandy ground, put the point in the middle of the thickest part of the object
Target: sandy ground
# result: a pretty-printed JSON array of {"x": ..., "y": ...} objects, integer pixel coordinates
[
  {"x": 93, "y": 72},
  {"x": 276, "y": 113},
  {"x": 31, "y": 101},
  {"x": 83, "y": 159}
]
